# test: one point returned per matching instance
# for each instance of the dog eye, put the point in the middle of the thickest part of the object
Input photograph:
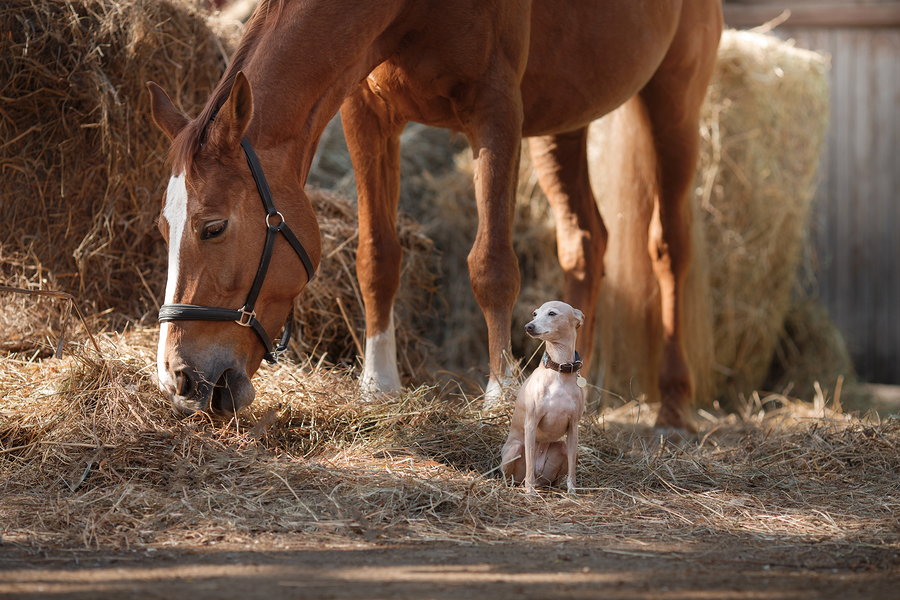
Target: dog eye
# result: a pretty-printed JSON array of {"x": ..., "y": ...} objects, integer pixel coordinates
[
  {"x": 214, "y": 229},
  {"x": 552, "y": 313},
  {"x": 534, "y": 314}
]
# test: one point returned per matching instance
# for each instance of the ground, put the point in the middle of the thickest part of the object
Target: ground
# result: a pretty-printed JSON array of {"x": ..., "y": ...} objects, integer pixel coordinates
[
  {"x": 284, "y": 567},
  {"x": 311, "y": 494}
]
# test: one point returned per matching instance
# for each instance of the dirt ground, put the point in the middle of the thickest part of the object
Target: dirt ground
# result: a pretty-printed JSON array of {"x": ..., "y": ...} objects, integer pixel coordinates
[{"x": 284, "y": 567}]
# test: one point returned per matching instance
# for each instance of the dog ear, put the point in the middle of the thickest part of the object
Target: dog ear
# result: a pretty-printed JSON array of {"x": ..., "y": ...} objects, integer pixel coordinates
[{"x": 580, "y": 316}]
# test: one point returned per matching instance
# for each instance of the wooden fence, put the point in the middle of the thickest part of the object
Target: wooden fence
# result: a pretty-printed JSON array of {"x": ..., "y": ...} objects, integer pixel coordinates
[{"x": 856, "y": 220}]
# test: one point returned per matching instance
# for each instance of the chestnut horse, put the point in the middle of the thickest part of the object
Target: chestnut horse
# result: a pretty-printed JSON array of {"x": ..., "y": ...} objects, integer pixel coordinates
[{"x": 496, "y": 70}]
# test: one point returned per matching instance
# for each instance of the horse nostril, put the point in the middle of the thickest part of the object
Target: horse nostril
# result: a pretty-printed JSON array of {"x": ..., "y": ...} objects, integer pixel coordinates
[{"x": 184, "y": 384}]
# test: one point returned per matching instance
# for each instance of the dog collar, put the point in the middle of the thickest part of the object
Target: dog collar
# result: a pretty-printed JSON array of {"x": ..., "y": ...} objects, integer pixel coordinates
[{"x": 562, "y": 368}]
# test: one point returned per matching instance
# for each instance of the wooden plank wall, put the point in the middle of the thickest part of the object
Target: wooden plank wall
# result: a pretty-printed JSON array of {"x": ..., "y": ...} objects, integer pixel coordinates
[{"x": 856, "y": 221}]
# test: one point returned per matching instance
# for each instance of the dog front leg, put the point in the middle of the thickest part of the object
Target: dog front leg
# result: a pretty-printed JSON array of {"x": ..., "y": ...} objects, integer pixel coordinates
[
  {"x": 572, "y": 447},
  {"x": 530, "y": 451}
]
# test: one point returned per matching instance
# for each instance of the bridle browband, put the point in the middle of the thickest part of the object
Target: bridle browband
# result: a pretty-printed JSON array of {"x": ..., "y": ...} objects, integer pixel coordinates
[{"x": 246, "y": 316}]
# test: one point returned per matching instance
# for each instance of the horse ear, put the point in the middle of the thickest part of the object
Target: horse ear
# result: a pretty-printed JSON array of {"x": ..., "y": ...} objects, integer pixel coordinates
[
  {"x": 580, "y": 316},
  {"x": 234, "y": 116},
  {"x": 167, "y": 117}
]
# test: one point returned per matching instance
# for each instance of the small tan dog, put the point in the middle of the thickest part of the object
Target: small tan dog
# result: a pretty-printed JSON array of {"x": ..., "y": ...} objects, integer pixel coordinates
[{"x": 549, "y": 405}]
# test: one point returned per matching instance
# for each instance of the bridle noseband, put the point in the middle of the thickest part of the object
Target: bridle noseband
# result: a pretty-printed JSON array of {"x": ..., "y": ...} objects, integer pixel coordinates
[{"x": 246, "y": 316}]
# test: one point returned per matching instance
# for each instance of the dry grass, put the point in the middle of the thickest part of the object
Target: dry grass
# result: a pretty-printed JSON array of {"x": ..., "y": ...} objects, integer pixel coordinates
[
  {"x": 91, "y": 457},
  {"x": 83, "y": 164}
]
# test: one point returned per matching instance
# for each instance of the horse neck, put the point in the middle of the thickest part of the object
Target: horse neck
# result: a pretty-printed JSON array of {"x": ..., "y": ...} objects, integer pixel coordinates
[{"x": 306, "y": 60}]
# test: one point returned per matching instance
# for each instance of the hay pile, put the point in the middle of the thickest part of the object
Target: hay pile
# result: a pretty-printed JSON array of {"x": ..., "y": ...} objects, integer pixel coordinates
[
  {"x": 82, "y": 162},
  {"x": 91, "y": 457}
]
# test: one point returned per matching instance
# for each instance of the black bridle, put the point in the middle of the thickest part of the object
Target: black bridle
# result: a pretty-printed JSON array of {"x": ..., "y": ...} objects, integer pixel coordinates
[{"x": 246, "y": 316}]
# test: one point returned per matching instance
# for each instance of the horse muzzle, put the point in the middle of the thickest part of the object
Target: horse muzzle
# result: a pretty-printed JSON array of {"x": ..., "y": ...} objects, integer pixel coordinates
[{"x": 223, "y": 391}]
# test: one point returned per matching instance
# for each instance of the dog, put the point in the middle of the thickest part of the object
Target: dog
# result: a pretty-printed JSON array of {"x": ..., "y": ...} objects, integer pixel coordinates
[{"x": 549, "y": 405}]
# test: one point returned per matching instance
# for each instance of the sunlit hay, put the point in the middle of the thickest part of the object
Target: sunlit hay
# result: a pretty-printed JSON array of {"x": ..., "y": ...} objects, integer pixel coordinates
[
  {"x": 764, "y": 127},
  {"x": 330, "y": 318},
  {"x": 83, "y": 164},
  {"x": 92, "y": 457},
  {"x": 623, "y": 172}
]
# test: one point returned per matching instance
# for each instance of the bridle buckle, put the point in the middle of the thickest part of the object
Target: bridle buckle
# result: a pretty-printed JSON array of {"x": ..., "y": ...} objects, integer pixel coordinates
[{"x": 246, "y": 317}]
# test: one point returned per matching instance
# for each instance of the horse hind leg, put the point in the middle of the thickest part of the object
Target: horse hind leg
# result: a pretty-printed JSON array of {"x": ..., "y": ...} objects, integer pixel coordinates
[
  {"x": 581, "y": 237},
  {"x": 373, "y": 138},
  {"x": 673, "y": 99}
]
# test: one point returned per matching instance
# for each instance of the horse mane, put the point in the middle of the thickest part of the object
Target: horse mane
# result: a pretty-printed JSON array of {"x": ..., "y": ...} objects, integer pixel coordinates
[{"x": 191, "y": 138}]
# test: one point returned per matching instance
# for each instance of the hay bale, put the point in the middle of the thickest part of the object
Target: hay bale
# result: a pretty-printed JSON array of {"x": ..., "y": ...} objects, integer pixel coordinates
[
  {"x": 83, "y": 164},
  {"x": 811, "y": 350},
  {"x": 763, "y": 127}
]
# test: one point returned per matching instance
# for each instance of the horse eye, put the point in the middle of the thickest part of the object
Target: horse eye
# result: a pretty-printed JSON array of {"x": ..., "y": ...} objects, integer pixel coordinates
[{"x": 214, "y": 229}]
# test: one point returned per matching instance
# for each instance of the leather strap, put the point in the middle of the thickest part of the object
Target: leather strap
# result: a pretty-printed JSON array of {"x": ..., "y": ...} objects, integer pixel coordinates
[
  {"x": 564, "y": 367},
  {"x": 246, "y": 317},
  {"x": 262, "y": 187}
]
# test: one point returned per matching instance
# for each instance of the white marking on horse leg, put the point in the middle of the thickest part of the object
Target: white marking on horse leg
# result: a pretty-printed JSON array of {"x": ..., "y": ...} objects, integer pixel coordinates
[
  {"x": 380, "y": 374},
  {"x": 175, "y": 213},
  {"x": 494, "y": 393}
]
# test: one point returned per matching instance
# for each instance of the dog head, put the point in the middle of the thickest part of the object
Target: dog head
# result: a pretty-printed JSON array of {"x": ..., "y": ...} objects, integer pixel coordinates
[{"x": 554, "y": 321}]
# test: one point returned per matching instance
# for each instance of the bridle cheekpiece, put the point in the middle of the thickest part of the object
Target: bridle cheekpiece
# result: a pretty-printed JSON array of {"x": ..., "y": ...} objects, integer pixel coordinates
[{"x": 246, "y": 316}]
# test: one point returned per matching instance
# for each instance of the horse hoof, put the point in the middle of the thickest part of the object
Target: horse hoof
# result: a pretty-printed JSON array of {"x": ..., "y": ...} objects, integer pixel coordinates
[{"x": 497, "y": 392}]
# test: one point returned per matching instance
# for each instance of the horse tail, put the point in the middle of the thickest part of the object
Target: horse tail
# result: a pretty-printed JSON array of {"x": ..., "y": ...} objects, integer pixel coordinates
[{"x": 624, "y": 169}]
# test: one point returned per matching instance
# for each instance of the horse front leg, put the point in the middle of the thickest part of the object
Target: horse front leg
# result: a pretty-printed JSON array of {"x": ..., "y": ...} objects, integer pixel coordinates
[
  {"x": 581, "y": 236},
  {"x": 373, "y": 138},
  {"x": 493, "y": 267}
]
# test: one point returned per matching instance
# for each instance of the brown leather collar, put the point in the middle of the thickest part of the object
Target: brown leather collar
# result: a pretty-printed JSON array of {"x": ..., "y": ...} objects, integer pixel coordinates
[{"x": 562, "y": 368}]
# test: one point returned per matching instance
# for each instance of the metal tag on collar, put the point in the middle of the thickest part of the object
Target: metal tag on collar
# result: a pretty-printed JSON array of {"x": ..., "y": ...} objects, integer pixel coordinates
[{"x": 580, "y": 381}]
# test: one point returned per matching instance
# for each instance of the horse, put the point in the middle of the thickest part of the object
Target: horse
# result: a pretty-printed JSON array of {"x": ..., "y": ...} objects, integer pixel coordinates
[{"x": 498, "y": 72}]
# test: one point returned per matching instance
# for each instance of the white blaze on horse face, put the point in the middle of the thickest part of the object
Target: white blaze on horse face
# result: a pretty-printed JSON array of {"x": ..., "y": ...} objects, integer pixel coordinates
[
  {"x": 175, "y": 213},
  {"x": 380, "y": 374}
]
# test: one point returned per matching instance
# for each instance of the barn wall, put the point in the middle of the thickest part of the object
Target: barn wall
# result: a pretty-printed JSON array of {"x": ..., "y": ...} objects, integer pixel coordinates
[{"x": 856, "y": 215}]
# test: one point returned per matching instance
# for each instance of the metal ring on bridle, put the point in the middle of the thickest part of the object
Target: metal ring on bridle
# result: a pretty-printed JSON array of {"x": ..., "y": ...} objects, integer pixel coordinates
[{"x": 280, "y": 216}]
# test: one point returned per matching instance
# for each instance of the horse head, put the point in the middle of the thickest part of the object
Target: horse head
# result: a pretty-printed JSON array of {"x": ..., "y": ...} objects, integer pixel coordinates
[{"x": 232, "y": 279}]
